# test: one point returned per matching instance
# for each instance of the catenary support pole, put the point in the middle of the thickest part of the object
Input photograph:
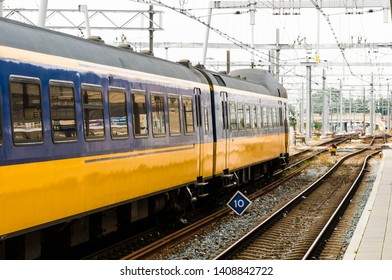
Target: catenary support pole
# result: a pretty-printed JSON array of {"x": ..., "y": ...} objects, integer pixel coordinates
[{"x": 43, "y": 7}]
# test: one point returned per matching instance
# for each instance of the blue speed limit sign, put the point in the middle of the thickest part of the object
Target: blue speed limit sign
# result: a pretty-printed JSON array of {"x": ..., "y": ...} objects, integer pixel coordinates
[{"x": 239, "y": 203}]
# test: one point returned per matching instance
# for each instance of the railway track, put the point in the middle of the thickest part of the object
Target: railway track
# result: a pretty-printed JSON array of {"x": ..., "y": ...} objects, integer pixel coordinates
[
  {"x": 299, "y": 229},
  {"x": 171, "y": 240}
]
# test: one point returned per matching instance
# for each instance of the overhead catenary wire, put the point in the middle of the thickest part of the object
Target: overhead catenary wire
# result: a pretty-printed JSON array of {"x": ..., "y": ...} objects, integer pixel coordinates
[
  {"x": 231, "y": 39},
  {"x": 342, "y": 50},
  {"x": 258, "y": 53}
]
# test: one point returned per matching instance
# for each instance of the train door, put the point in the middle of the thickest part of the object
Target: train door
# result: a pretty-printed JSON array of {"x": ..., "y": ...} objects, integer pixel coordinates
[
  {"x": 286, "y": 130},
  {"x": 199, "y": 131},
  {"x": 203, "y": 132},
  {"x": 204, "y": 144},
  {"x": 225, "y": 129}
]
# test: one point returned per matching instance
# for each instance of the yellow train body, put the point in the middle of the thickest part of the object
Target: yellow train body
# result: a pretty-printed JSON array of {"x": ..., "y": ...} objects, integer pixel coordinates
[{"x": 35, "y": 194}]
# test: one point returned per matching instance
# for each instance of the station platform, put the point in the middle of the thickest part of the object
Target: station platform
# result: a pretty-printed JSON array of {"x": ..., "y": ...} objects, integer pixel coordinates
[{"x": 372, "y": 239}]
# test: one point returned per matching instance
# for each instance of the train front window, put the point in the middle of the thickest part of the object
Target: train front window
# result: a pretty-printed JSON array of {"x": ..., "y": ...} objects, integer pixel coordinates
[
  {"x": 187, "y": 105},
  {"x": 27, "y": 127},
  {"x": 118, "y": 114},
  {"x": 93, "y": 117},
  {"x": 158, "y": 115},
  {"x": 62, "y": 108},
  {"x": 140, "y": 124},
  {"x": 174, "y": 115}
]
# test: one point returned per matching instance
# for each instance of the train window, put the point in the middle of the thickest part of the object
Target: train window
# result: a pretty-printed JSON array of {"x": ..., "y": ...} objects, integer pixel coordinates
[
  {"x": 274, "y": 119},
  {"x": 118, "y": 113},
  {"x": 253, "y": 116},
  {"x": 281, "y": 117},
  {"x": 224, "y": 115},
  {"x": 258, "y": 116},
  {"x": 140, "y": 123},
  {"x": 27, "y": 127},
  {"x": 206, "y": 121},
  {"x": 93, "y": 117},
  {"x": 158, "y": 115},
  {"x": 174, "y": 115},
  {"x": 247, "y": 116},
  {"x": 233, "y": 116},
  {"x": 269, "y": 117},
  {"x": 241, "y": 120},
  {"x": 62, "y": 109},
  {"x": 265, "y": 118},
  {"x": 187, "y": 105},
  {"x": 220, "y": 81}
]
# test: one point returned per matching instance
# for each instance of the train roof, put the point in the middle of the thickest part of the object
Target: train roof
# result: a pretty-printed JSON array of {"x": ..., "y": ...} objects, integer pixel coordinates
[
  {"x": 261, "y": 77},
  {"x": 254, "y": 80},
  {"x": 23, "y": 36}
]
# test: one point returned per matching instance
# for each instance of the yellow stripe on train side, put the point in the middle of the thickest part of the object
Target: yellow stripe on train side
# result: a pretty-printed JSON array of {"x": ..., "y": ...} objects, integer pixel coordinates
[
  {"x": 239, "y": 152},
  {"x": 54, "y": 190}
]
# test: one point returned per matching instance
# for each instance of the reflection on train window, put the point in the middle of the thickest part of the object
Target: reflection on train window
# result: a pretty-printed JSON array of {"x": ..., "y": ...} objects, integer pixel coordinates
[
  {"x": 206, "y": 121},
  {"x": 258, "y": 116},
  {"x": 27, "y": 125},
  {"x": 174, "y": 115},
  {"x": 233, "y": 116},
  {"x": 264, "y": 117},
  {"x": 118, "y": 113},
  {"x": 219, "y": 80},
  {"x": 158, "y": 115},
  {"x": 247, "y": 116},
  {"x": 280, "y": 116},
  {"x": 241, "y": 120},
  {"x": 253, "y": 116},
  {"x": 62, "y": 109},
  {"x": 187, "y": 105},
  {"x": 140, "y": 124},
  {"x": 93, "y": 118},
  {"x": 269, "y": 116},
  {"x": 274, "y": 119}
]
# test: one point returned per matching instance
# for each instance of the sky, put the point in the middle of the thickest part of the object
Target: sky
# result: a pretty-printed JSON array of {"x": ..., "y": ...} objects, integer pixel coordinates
[{"x": 336, "y": 26}]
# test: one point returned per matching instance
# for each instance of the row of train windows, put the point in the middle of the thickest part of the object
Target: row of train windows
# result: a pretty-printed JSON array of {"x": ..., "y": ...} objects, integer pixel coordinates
[
  {"x": 27, "y": 124},
  {"x": 250, "y": 116}
]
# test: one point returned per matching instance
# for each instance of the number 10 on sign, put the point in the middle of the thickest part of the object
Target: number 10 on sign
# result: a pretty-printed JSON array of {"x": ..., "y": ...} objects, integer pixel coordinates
[{"x": 239, "y": 203}]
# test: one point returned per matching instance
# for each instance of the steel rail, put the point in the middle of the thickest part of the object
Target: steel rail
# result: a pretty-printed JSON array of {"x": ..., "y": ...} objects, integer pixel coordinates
[
  {"x": 263, "y": 226},
  {"x": 319, "y": 243}
]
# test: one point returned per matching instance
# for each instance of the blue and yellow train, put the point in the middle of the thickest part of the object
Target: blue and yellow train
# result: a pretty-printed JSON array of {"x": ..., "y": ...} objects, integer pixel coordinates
[{"x": 95, "y": 137}]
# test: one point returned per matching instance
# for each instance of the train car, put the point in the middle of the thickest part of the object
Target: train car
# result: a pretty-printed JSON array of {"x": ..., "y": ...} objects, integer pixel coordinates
[
  {"x": 250, "y": 128},
  {"x": 94, "y": 138}
]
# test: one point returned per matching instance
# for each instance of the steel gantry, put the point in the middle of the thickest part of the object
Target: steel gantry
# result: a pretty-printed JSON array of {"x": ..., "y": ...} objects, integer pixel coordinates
[{"x": 112, "y": 19}]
